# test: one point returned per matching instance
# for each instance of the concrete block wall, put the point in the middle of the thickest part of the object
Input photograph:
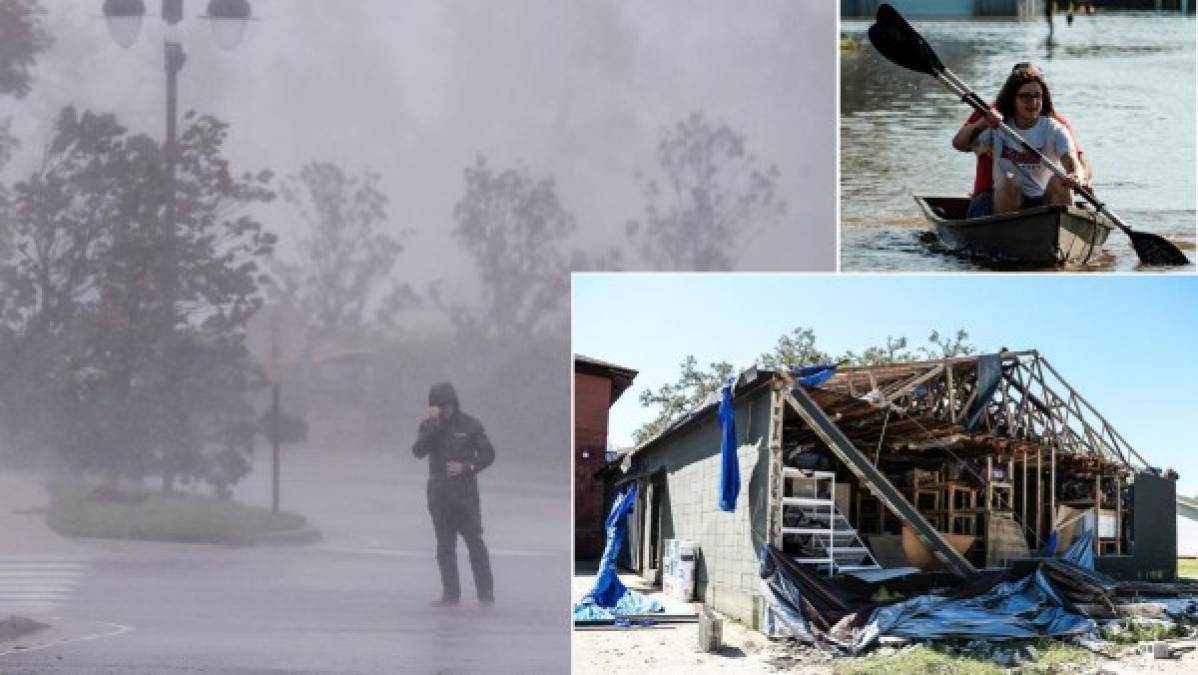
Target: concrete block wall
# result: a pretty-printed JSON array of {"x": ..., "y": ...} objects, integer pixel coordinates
[{"x": 726, "y": 569}]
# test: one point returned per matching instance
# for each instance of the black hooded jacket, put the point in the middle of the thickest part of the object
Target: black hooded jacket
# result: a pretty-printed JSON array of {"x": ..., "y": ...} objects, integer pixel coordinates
[{"x": 460, "y": 438}]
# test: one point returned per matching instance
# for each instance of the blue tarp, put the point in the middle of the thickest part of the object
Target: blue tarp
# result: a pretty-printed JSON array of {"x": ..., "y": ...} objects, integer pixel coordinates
[
  {"x": 1024, "y": 608},
  {"x": 810, "y": 608},
  {"x": 813, "y": 376},
  {"x": 1050, "y": 547},
  {"x": 609, "y": 597},
  {"x": 1081, "y": 551},
  {"x": 729, "y": 465}
]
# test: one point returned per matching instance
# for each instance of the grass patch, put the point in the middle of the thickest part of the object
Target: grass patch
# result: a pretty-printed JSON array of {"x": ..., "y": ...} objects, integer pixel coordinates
[
  {"x": 1056, "y": 657},
  {"x": 1187, "y": 567},
  {"x": 918, "y": 661},
  {"x": 1052, "y": 657},
  {"x": 1132, "y": 632},
  {"x": 178, "y": 517}
]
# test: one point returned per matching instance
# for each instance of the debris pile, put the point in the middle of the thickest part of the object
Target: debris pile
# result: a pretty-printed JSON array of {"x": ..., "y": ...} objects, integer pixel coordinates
[{"x": 1056, "y": 597}]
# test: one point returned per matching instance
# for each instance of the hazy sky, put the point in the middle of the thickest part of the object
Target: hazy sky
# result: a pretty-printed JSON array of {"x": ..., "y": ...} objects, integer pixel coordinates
[
  {"x": 578, "y": 91},
  {"x": 1125, "y": 343}
]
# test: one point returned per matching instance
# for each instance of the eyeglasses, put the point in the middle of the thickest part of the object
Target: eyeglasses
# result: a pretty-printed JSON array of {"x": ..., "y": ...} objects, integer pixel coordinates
[{"x": 1028, "y": 97}]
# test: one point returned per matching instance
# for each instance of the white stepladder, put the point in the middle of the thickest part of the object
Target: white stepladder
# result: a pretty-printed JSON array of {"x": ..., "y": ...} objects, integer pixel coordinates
[{"x": 812, "y": 525}]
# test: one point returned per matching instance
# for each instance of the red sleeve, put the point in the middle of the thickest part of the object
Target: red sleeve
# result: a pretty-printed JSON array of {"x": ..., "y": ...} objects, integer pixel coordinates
[
  {"x": 1061, "y": 118},
  {"x": 973, "y": 117}
]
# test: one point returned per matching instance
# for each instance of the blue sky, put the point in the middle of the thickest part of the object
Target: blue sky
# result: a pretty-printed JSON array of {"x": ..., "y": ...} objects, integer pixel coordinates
[{"x": 1126, "y": 343}]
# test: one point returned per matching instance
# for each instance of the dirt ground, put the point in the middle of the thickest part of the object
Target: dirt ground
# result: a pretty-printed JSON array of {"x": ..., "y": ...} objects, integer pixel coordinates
[{"x": 673, "y": 648}]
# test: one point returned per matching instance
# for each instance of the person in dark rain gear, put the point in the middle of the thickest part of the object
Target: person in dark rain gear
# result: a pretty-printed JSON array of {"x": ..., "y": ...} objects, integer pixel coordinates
[{"x": 457, "y": 449}]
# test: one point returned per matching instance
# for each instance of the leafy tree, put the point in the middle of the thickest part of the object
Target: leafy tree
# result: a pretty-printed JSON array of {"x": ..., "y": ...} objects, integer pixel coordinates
[
  {"x": 797, "y": 348},
  {"x": 345, "y": 259},
  {"x": 22, "y": 38},
  {"x": 712, "y": 194},
  {"x": 128, "y": 381},
  {"x": 894, "y": 351},
  {"x": 515, "y": 228},
  {"x": 948, "y": 347},
  {"x": 692, "y": 387}
]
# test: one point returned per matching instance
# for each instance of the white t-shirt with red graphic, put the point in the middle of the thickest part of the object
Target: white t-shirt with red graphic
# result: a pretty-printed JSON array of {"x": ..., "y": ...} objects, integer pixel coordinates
[{"x": 1048, "y": 136}]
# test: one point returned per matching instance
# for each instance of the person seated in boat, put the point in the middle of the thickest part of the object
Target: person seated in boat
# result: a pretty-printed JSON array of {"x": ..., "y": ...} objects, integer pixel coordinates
[
  {"x": 1025, "y": 103},
  {"x": 981, "y": 202}
]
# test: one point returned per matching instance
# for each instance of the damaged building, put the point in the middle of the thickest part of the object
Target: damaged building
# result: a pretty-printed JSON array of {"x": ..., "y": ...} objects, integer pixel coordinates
[{"x": 960, "y": 465}]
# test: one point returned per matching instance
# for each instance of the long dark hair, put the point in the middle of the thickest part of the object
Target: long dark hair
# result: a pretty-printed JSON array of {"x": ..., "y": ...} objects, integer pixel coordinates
[{"x": 1018, "y": 78}]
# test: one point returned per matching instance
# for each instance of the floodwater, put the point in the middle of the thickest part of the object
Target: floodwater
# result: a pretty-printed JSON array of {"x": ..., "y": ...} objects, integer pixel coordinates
[{"x": 1125, "y": 81}]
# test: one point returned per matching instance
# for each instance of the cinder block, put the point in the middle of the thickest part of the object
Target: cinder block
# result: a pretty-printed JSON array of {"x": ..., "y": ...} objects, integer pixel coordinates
[
  {"x": 711, "y": 631},
  {"x": 1160, "y": 650}
]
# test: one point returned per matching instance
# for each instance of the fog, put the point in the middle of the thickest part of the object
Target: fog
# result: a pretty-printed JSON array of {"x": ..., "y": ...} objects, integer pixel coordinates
[
  {"x": 372, "y": 197},
  {"x": 578, "y": 91}
]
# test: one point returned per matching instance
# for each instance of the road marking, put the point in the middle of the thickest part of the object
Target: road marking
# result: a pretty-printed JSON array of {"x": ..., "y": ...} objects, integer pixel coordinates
[
  {"x": 32, "y": 582},
  {"x": 401, "y": 553},
  {"x": 512, "y": 553},
  {"x": 118, "y": 629}
]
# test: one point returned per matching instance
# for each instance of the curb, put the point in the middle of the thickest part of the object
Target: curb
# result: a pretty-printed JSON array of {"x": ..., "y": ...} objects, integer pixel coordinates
[
  {"x": 305, "y": 535},
  {"x": 18, "y": 626}
]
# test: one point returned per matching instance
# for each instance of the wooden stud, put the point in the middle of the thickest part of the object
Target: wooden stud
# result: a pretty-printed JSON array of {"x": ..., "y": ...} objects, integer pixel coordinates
[
  {"x": 1023, "y": 507},
  {"x": 1039, "y": 496},
  {"x": 1052, "y": 486},
  {"x": 1118, "y": 514}
]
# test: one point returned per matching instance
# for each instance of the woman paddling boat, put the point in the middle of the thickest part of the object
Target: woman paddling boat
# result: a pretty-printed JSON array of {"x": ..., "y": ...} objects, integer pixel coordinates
[
  {"x": 1021, "y": 180},
  {"x": 982, "y": 198}
]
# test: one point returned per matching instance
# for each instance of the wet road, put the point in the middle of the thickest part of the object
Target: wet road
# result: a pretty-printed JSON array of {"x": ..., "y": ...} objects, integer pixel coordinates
[
  {"x": 1125, "y": 81},
  {"x": 356, "y": 603}
]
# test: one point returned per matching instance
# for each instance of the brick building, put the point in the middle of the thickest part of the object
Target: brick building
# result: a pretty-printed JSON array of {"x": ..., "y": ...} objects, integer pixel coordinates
[{"x": 597, "y": 386}]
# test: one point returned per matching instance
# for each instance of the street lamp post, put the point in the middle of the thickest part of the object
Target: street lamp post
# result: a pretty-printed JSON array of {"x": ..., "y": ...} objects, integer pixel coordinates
[{"x": 228, "y": 19}]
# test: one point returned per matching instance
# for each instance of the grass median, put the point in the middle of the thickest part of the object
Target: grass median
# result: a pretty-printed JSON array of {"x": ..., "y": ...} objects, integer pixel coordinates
[{"x": 155, "y": 516}]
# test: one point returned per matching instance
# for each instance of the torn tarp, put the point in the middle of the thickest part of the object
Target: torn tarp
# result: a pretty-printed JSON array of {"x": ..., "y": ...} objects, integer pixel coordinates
[
  {"x": 802, "y": 604},
  {"x": 1081, "y": 551},
  {"x": 1023, "y": 608},
  {"x": 813, "y": 376},
  {"x": 609, "y": 597},
  {"x": 815, "y": 609}
]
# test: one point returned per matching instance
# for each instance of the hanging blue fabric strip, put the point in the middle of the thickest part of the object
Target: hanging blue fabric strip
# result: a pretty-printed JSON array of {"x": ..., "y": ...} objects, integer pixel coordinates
[{"x": 730, "y": 466}]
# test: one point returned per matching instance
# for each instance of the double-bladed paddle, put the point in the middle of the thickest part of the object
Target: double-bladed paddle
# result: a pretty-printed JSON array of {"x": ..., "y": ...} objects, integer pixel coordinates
[{"x": 900, "y": 43}]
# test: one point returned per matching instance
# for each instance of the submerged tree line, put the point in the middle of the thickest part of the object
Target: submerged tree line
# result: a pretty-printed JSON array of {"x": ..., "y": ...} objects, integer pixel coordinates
[{"x": 121, "y": 360}]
